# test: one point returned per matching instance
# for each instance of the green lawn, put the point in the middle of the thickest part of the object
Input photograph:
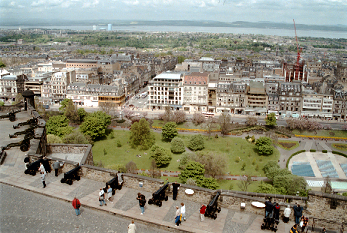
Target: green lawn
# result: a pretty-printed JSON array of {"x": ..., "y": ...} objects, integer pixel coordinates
[
  {"x": 225, "y": 184},
  {"x": 288, "y": 145},
  {"x": 232, "y": 147},
  {"x": 324, "y": 133},
  {"x": 340, "y": 146},
  {"x": 186, "y": 125}
]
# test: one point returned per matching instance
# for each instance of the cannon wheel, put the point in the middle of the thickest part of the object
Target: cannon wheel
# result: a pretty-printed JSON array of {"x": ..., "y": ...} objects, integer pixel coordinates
[
  {"x": 150, "y": 201},
  {"x": 33, "y": 173},
  {"x": 214, "y": 216},
  {"x": 69, "y": 182},
  {"x": 219, "y": 209},
  {"x": 166, "y": 198},
  {"x": 12, "y": 118},
  {"x": 23, "y": 147},
  {"x": 62, "y": 180},
  {"x": 160, "y": 203},
  {"x": 78, "y": 177}
]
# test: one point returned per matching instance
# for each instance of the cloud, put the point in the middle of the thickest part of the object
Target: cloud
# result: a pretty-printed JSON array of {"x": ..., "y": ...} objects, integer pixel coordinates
[{"x": 90, "y": 3}]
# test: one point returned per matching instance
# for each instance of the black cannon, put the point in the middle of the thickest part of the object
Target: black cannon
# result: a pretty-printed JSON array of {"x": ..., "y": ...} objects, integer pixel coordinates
[
  {"x": 212, "y": 207},
  {"x": 71, "y": 175},
  {"x": 159, "y": 195},
  {"x": 114, "y": 185},
  {"x": 29, "y": 133},
  {"x": 11, "y": 115},
  {"x": 3, "y": 155},
  {"x": 32, "y": 122},
  {"x": 33, "y": 167},
  {"x": 23, "y": 145},
  {"x": 269, "y": 223}
]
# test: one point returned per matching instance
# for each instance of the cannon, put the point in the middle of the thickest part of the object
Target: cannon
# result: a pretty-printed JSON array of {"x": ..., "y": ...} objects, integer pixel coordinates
[
  {"x": 159, "y": 195},
  {"x": 212, "y": 207},
  {"x": 270, "y": 223},
  {"x": 31, "y": 122},
  {"x": 23, "y": 145},
  {"x": 3, "y": 155},
  {"x": 114, "y": 185},
  {"x": 71, "y": 175},
  {"x": 11, "y": 115},
  {"x": 33, "y": 167},
  {"x": 29, "y": 133}
]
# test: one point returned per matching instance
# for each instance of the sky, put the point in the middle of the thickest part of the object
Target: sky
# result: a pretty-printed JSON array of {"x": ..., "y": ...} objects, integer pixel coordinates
[{"x": 319, "y": 12}]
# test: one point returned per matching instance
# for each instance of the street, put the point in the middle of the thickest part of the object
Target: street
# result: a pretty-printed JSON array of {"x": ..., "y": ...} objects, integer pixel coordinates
[{"x": 24, "y": 211}]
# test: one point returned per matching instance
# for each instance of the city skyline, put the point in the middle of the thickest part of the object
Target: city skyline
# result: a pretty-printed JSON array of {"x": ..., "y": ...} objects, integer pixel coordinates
[{"x": 317, "y": 12}]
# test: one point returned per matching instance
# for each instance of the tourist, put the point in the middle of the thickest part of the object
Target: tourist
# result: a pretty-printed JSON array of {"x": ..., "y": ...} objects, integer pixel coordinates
[
  {"x": 297, "y": 213},
  {"x": 102, "y": 197},
  {"x": 43, "y": 179},
  {"x": 294, "y": 229},
  {"x": 286, "y": 213},
  {"x": 42, "y": 168},
  {"x": 183, "y": 211},
  {"x": 268, "y": 209},
  {"x": 56, "y": 166},
  {"x": 175, "y": 187},
  {"x": 76, "y": 205},
  {"x": 304, "y": 223},
  {"x": 132, "y": 227},
  {"x": 109, "y": 193},
  {"x": 324, "y": 230},
  {"x": 202, "y": 213},
  {"x": 177, "y": 216},
  {"x": 142, "y": 202},
  {"x": 277, "y": 211}
]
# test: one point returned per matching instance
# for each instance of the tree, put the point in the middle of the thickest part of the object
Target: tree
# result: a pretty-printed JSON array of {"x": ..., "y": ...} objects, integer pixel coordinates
[
  {"x": 58, "y": 125},
  {"x": 245, "y": 181},
  {"x": 271, "y": 120},
  {"x": 52, "y": 139},
  {"x": 108, "y": 107},
  {"x": 193, "y": 170},
  {"x": 141, "y": 135},
  {"x": 210, "y": 125},
  {"x": 177, "y": 146},
  {"x": 131, "y": 167},
  {"x": 179, "y": 117},
  {"x": 75, "y": 137},
  {"x": 94, "y": 127},
  {"x": 106, "y": 119},
  {"x": 167, "y": 115},
  {"x": 127, "y": 113},
  {"x": 289, "y": 184},
  {"x": 266, "y": 188},
  {"x": 198, "y": 118},
  {"x": 161, "y": 156},
  {"x": 224, "y": 123},
  {"x": 214, "y": 164},
  {"x": 251, "y": 121},
  {"x": 196, "y": 142},
  {"x": 2, "y": 103},
  {"x": 209, "y": 183},
  {"x": 82, "y": 114},
  {"x": 327, "y": 188},
  {"x": 169, "y": 131},
  {"x": 264, "y": 146},
  {"x": 154, "y": 172},
  {"x": 64, "y": 103},
  {"x": 270, "y": 165},
  {"x": 2, "y": 65},
  {"x": 19, "y": 98},
  {"x": 71, "y": 112}
]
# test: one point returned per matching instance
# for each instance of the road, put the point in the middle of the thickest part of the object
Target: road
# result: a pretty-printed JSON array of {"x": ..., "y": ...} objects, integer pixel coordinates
[{"x": 24, "y": 211}]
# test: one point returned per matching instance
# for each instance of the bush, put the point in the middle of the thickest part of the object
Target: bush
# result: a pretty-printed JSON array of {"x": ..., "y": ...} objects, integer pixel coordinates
[
  {"x": 179, "y": 117},
  {"x": 169, "y": 131},
  {"x": 177, "y": 146},
  {"x": 196, "y": 142},
  {"x": 120, "y": 121},
  {"x": 131, "y": 167},
  {"x": 51, "y": 139},
  {"x": 339, "y": 153},
  {"x": 118, "y": 143},
  {"x": 198, "y": 118},
  {"x": 324, "y": 151},
  {"x": 185, "y": 158},
  {"x": 191, "y": 181},
  {"x": 161, "y": 156},
  {"x": 264, "y": 146},
  {"x": 75, "y": 137},
  {"x": 312, "y": 150}
]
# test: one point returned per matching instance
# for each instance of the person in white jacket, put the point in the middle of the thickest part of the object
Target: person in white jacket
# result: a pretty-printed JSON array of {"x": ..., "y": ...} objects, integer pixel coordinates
[
  {"x": 132, "y": 227},
  {"x": 183, "y": 211},
  {"x": 286, "y": 213}
]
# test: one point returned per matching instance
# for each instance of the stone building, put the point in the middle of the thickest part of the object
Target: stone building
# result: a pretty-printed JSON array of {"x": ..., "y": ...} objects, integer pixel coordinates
[
  {"x": 340, "y": 104},
  {"x": 256, "y": 99},
  {"x": 289, "y": 94},
  {"x": 195, "y": 87},
  {"x": 317, "y": 105},
  {"x": 166, "y": 89},
  {"x": 231, "y": 97},
  {"x": 11, "y": 85}
]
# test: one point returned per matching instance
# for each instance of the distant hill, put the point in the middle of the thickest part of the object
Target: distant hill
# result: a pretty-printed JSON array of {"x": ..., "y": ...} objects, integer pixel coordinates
[{"x": 241, "y": 24}]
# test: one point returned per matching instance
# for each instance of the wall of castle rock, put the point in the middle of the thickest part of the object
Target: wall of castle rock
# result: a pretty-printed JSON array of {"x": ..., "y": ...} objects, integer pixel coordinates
[{"x": 97, "y": 173}]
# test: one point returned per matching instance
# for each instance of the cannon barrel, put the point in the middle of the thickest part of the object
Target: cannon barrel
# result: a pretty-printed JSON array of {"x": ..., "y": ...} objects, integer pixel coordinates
[
  {"x": 159, "y": 195},
  {"x": 33, "y": 167},
  {"x": 212, "y": 207},
  {"x": 114, "y": 184}
]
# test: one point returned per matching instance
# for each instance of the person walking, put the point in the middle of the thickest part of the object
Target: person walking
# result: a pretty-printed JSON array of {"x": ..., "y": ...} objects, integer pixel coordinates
[
  {"x": 102, "y": 197},
  {"x": 109, "y": 193},
  {"x": 175, "y": 187},
  {"x": 142, "y": 202},
  {"x": 183, "y": 211},
  {"x": 304, "y": 223},
  {"x": 286, "y": 214},
  {"x": 277, "y": 211},
  {"x": 43, "y": 179},
  {"x": 76, "y": 205},
  {"x": 42, "y": 168},
  {"x": 177, "y": 216},
  {"x": 56, "y": 166},
  {"x": 297, "y": 213},
  {"x": 294, "y": 229},
  {"x": 132, "y": 227},
  {"x": 202, "y": 213}
]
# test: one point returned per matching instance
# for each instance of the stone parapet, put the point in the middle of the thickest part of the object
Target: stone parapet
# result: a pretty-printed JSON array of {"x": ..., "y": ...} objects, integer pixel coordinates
[{"x": 97, "y": 173}]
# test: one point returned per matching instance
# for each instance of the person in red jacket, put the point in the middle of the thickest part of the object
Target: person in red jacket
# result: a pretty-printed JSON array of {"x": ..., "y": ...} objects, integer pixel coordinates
[
  {"x": 202, "y": 212},
  {"x": 76, "y": 205}
]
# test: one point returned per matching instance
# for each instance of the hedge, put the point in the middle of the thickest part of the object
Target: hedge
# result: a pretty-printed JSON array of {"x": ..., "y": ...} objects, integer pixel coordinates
[
  {"x": 324, "y": 151},
  {"x": 295, "y": 153},
  {"x": 312, "y": 150},
  {"x": 279, "y": 132},
  {"x": 339, "y": 153}
]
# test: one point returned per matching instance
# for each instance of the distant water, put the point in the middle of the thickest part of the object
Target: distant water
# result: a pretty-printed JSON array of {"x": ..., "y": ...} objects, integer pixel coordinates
[{"x": 234, "y": 30}]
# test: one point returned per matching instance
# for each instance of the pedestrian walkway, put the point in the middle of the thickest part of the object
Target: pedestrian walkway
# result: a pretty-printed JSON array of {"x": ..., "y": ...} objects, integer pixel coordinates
[{"x": 125, "y": 204}]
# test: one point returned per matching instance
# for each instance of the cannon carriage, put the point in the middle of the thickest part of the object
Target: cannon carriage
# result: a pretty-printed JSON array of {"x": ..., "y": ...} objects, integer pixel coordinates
[
  {"x": 33, "y": 167},
  {"x": 23, "y": 145},
  {"x": 159, "y": 196},
  {"x": 71, "y": 175},
  {"x": 212, "y": 207},
  {"x": 114, "y": 184},
  {"x": 11, "y": 115},
  {"x": 270, "y": 223},
  {"x": 32, "y": 122}
]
